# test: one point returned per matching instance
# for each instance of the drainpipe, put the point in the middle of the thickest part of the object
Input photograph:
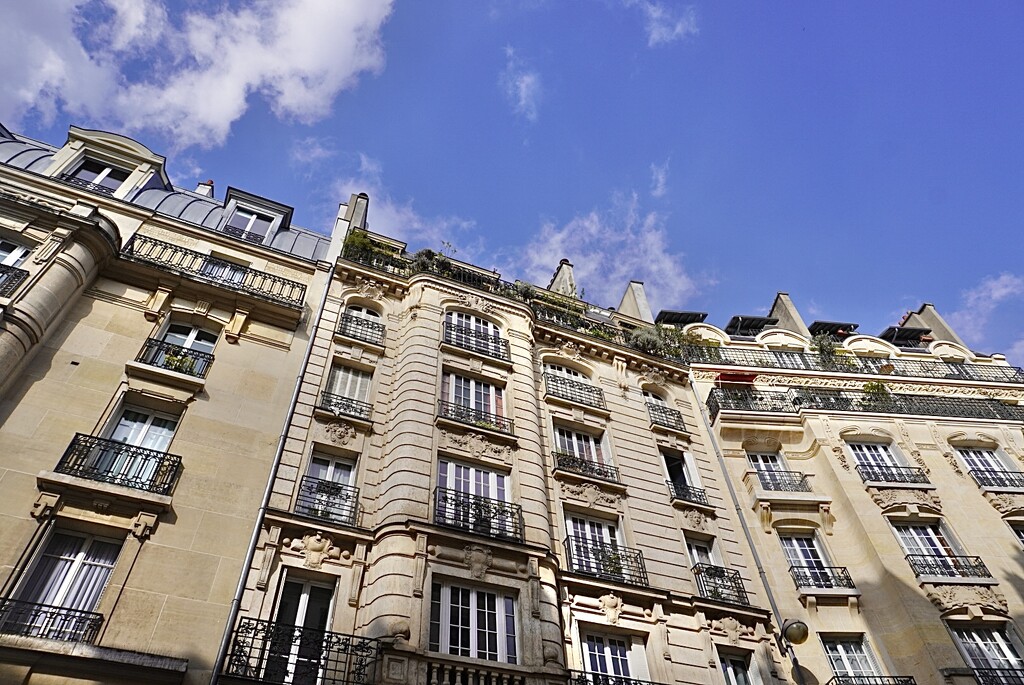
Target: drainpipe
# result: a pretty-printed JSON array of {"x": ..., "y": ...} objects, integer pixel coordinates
[{"x": 254, "y": 539}]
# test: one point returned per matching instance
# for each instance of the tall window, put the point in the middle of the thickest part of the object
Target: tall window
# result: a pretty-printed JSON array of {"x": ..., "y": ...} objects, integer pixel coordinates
[
  {"x": 326, "y": 490},
  {"x": 100, "y": 174},
  {"x": 988, "y": 648},
  {"x": 809, "y": 562},
  {"x": 473, "y": 623},
  {"x": 222, "y": 270},
  {"x": 594, "y": 545},
  {"x": 474, "y": 333},
  {"x": 607, "y": 655},
  {"x": 473, "y": 498},
  {"x": 581, "y": 445},
  {"x": 115, "y": 460},
  {"x": 564, "y": 372},
  {"x": 735, "y": 670},
  {"x": 472, "y": 394},
  {"x": 144, "y": 428},
  {"x": 982, "y": 459},
  {"x": 680, "y": 470},
  {"x": 700, "y": 552},
  {"x": 873, "y": 454},
  {"x": 191, "y": 337},
  {"x": 925, "y": 538},
  {"x": 652, "y": 398},
  {"x": 765, "y": 462},
  {"x": 247, "y": 224},
  {"x": 353, "y": 384},
  {"x": 297, "y": 647},
  {"x": 12, "y": 254},
  {"x": 849, "y": 656}
]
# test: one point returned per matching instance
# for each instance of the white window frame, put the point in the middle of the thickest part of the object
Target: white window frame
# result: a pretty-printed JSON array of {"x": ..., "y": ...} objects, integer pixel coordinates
[
  {"x": 988, "y": 646},
  {"x": 1017, "y": 528},
  {"x": 654, "y": 398},
  {"x": 363, "y": 312},
  {"x": 581, "y": 445},
  {"x": 190, "y": 338},
  {"x": 505, "y": 616},
  {"x": 349, "y": 382},
  {"x": 253, "y": 215},
  {"x": 599, "y": 655},
  {"x": 766, "y": 462},
  {"x": 108, "y": 168},
  {"x": 939, "y": 539},
  {"x": 483, "y": 396},
  {"x": 70, "y": 578},
  {"x": 294, "y": 654},
  {"x": 850, "y": 655},
  {"x": 698, "y": 548},
  {"x": 809, "y": 554},
  {"x": 689, "y": 468},
  {"x": 983, "y": 459},
  {"x": 140, "y": 439},
  {"x": 736, "y": 669},
  {"x": 566, "y": 372},
  {"x": 491, "y": 346},
  {"x": 16, "y": 254},
  {"x": 876, "y": 454}
]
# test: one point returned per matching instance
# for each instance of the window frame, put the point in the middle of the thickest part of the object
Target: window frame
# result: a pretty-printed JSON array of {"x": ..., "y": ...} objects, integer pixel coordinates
[
  {"x": 994, "y": 453},
  {"x": 597, "y": 453},
  {"x": 506, "y": 615},
  {"x": 17, "y": 254},
  {"x": 68, "y": 578},
  {"x": 890, "y": 457},
  {"x": 100, "y": 178},
  {"x": 589, "y": 656},
  {"x": 692, "y": 543},
  {"x": 564, "y": 371},
  {"x": 254, "y": 215},
  {"x": 687, "y": 466},
  {"x": 728, "y": 661},
  {"x": 191, "y": 336},
  {"x": 357, "y": 385},
  {"x": 867, "y": 654},
  {"x": 943, "y": 538},
  {"x": 1010, "y": 642},
  {"x": 481, "y": 395}
]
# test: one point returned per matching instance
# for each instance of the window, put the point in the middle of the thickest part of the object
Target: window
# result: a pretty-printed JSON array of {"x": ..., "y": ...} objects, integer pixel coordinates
[
  {"x": 296, "y": 648},
  {"x": 989, "y": 648},
  {"x": 473, "y": 333},
  {"x": 872, "y": 454},
  {"x": 607, "y": 655},
  {"x": 849, "y": 656},
  {"x": 876, "y": 462},
  {"x": 326, "y": 490},
  {"x": 473, "y": 623},
  {"x": 735, "y": 670},
  {"x": 184, "y": 349},
  {"x": 700, "y": 552},
  {"x": 12, "y": 254},
  {"x": 809, "y": 563},
  {"x": 988, "y": 469},
  {"x": 932, "y": 552},
  {"x": 594, "y": 547},
  {"x": 249, "y": 225},
  {"x": 222, "y": 271},
  {"x": 191, "y": 337},
  {"x": 144, "y": 428},
  {"x": 651, "y": 398},
  {"x": 472, "y": 394},
  {"x": 364, "y": 313},
  {"x": 474, "y": 498},
  {"x": 924, "y": 539},
  {"x": 679, "y": 469},
  {"x": 581, "y": 445},
  {"x": 1018, "y": 531},
  {"x": 564, "y": 372},
  {"x": 100, "y": 174},
  {"x": 350, "y": 383},
  {"x": 765, "y": 462}
]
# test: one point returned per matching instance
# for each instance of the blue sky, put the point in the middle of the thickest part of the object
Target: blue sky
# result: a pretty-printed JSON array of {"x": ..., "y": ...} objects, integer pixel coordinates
[{"x": 865, "y": 157}]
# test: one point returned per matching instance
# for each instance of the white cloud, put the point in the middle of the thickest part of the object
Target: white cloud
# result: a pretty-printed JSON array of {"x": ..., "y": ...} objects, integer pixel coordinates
[
  {"x": 311, "y": 151},
  {"x": 1015, "y": 355},
  {"x": 522, "y": 86},
  {"x": 978, "y": 303},
  {"x": 664, "y": 23},
  {"x": 196, "y": 77},
  {"x": 659, "y": 179}
]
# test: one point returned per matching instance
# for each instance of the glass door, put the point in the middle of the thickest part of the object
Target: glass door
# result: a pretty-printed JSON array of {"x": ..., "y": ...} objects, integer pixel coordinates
[{"x": 298, "y": 645}]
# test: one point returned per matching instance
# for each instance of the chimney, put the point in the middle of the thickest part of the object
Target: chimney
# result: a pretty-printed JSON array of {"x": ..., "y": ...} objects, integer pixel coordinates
[
  {"x": 634, "y": 303},
  {"x": 563, "y": 282},
  {"x": 205, "y": 188}
]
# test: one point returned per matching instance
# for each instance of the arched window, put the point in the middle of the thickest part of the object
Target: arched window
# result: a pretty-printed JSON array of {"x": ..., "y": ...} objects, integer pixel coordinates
[
  {"x": 362, "y": 323},
  {"x": 471, "y": 332}
]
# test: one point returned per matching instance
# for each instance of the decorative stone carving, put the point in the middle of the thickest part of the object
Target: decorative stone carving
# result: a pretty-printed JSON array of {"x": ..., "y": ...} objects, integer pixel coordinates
[
  {"x": 340, "y": 432},
  {"x": 143, "y": 525},
  {"x": 590, "y": 493},
  {"x": 827, "y": 519},
  {"x": 267, "y": 561},
  {"x": 943, "y": 445},
  {"x": 477, "y": 445},
  {"x": 400, "y": 630},
  {"x": 552, "y": 655},
  {"x": 611, "y": 605},
  {"x": 983, "y": 597},
  {"x": 732, "y": 629},
  {"x": 46, "y": 503},
  {"x": 316, "y": 548},
  {"x": 837, "y": 448},
  {"x": 202, "y": 307},
  {"x": 475, "y": 302},
  {"x": 570, "y": 350},
  {"x": 478, "y": 560},
  {"x": 695, "y": 519},
  {"x": 1007, "y": 504},
  {"x": 372, "y": 289},
  {"x": 651, "y": 375},
  {"x": 703, "y": 375},
  {"x": 911, "y": 499},
  {"x": 908, "y": 445}
]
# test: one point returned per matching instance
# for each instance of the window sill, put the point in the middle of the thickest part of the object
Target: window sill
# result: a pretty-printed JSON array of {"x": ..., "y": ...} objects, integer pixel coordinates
[
  {"x": 377, "y": 348},
  {"x": 361, "y": 424},
  {"x": 687, "y": 504},
  {"x": 1001, "y": 491},
  {"x": 955, "y": 580},
  {"x": 60, "y": 482},
  {"x": 497, "y": 435},
  {"x": 164, "y": 376}
]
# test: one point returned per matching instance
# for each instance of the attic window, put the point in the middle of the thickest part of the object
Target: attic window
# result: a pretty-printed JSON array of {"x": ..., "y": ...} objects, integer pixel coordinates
[
  {"x": 837, "y": 329},
  {"x": 248, "y": 225},
  {"x": 748, "y": 326},
  {"x": 905, "y": 337},
  {"x": 97, "y": 176}
]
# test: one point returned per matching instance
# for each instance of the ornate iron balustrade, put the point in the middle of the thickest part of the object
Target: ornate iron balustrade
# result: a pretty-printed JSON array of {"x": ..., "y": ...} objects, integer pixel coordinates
[
  {"x": 324, "y": 499},
  {"x": 999, "y": 676},
  {"x": 204, "y": 268},
  {"x": 879, "y": 473},
  {"x": 987, "y": 478},
  {"x": 588, "y": 678},
  {"x": 666, "y": 416},
  {"x": 574, "y": 391},
  {"x": 468, "y": 339},
  {"x": 471, "y": 674},
  {"x": 872, "y": 680},
  {"x": 721, "y": 584},
  {"x": 173, "y": 357},
  {"x": 377, "y": 258},
  {"x": 688, "y": 493},
  {"x": 784, "y": 481},
  {"x": 722, "y": 399},
  {"x": 822, "y": 577},
  {"x": 247, "y": 236},
  {"x": 476, "y": 514},
  {"x": 474, "y": 417},
  {"x": 10, "y": 278},
  {"x": 587, "y": 467},
  {"x": 574, "y": 320},
  {"x": 29, "y": 619},
  {"x": 87, "y": 185},
  {"x": 278, "y": 653},
  {"x": 110, "y": 461},
  {"x": 606, "y": 560},
  {"x": 948, "y": 566},
  {"x": 361, "y": 329},
  {"x": 340, "y": 405}
]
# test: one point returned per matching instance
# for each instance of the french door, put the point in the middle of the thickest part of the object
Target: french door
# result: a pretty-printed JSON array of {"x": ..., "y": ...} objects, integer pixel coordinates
[
  {"x": 803, "y": 553},
  {"x": 594, "y": 546},
  {"x": 138, "y": 428},
  {"x": 606, "y": 655},
  {"x": 473, "y": 498},
  {"x": 298, "y": 646}
]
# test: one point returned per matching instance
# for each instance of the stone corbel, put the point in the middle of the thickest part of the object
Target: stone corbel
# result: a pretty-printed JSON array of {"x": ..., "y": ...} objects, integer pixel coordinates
[
  {"x": 534, "y": 589},
  {"x": 46, "y": 503},
  {"x": 52, "y": 245},
  {"x": 358, "y": 567},
  {"x": 143, "y": 525},
  {"x": 421, "y": 565},
  {"x": 234, "y": 328},
  {"x": 827, "y": 519},
  {"x": 765, "y": 514},
  {"x": 269, "y": 552},
  {"x": 157, "y": 304}
]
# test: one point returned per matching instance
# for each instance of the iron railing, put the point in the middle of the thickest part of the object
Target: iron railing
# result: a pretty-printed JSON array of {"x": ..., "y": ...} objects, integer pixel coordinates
[
  {"x": 687, "y": 493},
  {"x": 204, "y": 268},
  {"x": 606, "y": 560},
  {"x": 987, "y": 478},
  {"x": 468, "y": 673},
  {"x": 361, "y": 329},
  {"x": 87, "y": 185},
  {"x": 784, "y": 481},
  {"x": 10, "y": 278},
  {"x": 338, "y": 404},
  {"x": 574, "y": 391},
  {"x": 720, "y": 584},
  {"x": 476, "y": 514},
  {"x": 118, "y": 463},
  {"x": 29, "y": 619},
  {"x": 173, "y": 357},
  {"x": 948, "y": 566},
  {"x": 271, "y": 652},
  {"x": 822, "y": 577},
  {"x": 575, "y": 320},
  {"x": 587, "y": 467},
  {"x": 881, "y": 473},
  {"x": 588, "y": 678},
  {"x": 872, "y": 680},
  {"x": 999, "y": 676},
  {"x": 666, "y": 416},
  {"x": 474, "y": 417},
  {"x": 469, "y": 339},
  {"x": 325, "y": 499},
  {"x": 247, "y": 236}
]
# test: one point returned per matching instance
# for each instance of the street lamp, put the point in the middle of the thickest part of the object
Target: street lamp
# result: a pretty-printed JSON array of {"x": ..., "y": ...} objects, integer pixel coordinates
[{"x": 793, "y": 632}]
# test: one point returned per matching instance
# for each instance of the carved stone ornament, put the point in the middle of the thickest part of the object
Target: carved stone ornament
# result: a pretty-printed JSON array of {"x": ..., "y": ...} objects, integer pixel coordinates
[
  {"x": 315, "y": 547},
  {"x": 950, "y": 597},
  {"x": 898, "y": 497},
  {"x": 651, "y": 375},
  {"x": 910, "y": 446},
  {"x": 695, "y": 519},
  {"x": 591, "y": 494},
  {"x": 611, "y": 605},
  {"x": 1007, "y": 504},
  {"x": 913, "y": 388},
  {"x": 837, "y": 449},
  {"x": 570, "y": 350},
  {"x": 476, "y": 444},
  {"x": 703, "y": 375},
  {"x": 371, "y": 289},
  {"x": 340, "y": 432},
  {"x": 948, "y": 455},
  {"x": 475, "y": 302},
  {"x": 732, "y": 629},
  {"x": 478, "y": 560}
]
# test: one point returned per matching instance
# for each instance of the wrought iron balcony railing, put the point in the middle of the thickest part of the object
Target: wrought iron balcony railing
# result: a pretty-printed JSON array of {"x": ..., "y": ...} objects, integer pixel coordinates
[
  {"x": 10, "y": 278},
  {"x": 606, "y": 560},
  {"x": 588, "y": 678},
  {"x": 118, "y": 463},
  {"x": 173, "y": 357},
  {"x": 824, "y": 577},
  {"x": 666, "y": 416},
  {"x": 476, "y": 514},
  {"x": 721, "y": 584},
  {"x": 999, "y": 676},
  {"x": 241, "y": 233},
  {"x": 998, "y": 479},
  {"x": 784, "y": 481},
  {"x": 361, "y": 329},
  {"x": 29, "y": 619},
  {"x": 687, "y": 493},
  {"x": 881, "y": 473},
  {"x": 278, "y": 653},
  {"x": 872, "y": 680},
  {"x": 327, "y": 500},
  {"x": 574, "y": 320},
  {"x": 574, "y": 391},
  {"x": 948, "y": 566},
  {"x": 584, "y": 466},
  {"x": 469, "y": 339},
  {"x": 206, "y": 269},
  {"x": 474, "y": 417},
  {"x": 345, "y": 406},
  {"x": 87, "y": 185}
]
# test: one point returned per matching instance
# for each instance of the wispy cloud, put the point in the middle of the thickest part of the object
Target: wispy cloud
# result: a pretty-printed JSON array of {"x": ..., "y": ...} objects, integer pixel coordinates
[
  {"x": 311, "y": 151},
  {"x": 521, "y": 85},
  {"x": 977, "y": 304},
  {"x": 1015, "y": 355},
  {"x": 659, "y": 179},
  {"x": 135, "y": 70},
  {"x": 665, "y": 23}
]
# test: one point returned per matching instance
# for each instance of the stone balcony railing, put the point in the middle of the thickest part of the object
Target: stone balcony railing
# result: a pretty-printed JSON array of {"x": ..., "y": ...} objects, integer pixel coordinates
[
  {"x": 29, "y": 619},
  {"x": 10, "y": 278},
  {"x": 118, "y": 463}
]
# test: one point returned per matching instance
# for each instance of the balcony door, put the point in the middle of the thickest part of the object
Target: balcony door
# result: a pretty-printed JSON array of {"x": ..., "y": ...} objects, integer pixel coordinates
[
  {"x": 981, "y": 460},
  {"x": 765, "y": 462},
  {"x": 594, "y": 547},
  {"x": 580, "y": 445},
  {"x": 473, "y": 498},
  {"x": 804, "y": 553},
  {"x": 874, "y": 455},
  {"x": 326, "y": 491},
  {"x": 699, "y": 552},
  {"x": 299, "y": 645},
  {"x": 473, "y": 394},
  {"x": 607, "y": 656},
  {"x": 926, "y": 539},
  {"x": 990, "y": 648},
  {"x": 473, "y": 333},
  {"x": 191, "y": 337},
  {"x": 849, "y": 657},
  {"x": 12, "y": 254},
  {"x": 349, "y": 383},
  {"x": 141, "y": 428}
]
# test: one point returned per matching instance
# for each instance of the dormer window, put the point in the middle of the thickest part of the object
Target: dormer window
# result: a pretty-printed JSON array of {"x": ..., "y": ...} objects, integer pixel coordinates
[
  {"x": 98, "y": 176},
  {"x": 248, "y": 225}
]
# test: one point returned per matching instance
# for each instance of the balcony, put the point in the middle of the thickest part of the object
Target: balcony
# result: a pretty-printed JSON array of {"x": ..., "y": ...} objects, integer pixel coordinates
[
  {"x": 327, "y": 500},
  {"x": 941, "y": 566},
  {"x": 666, "y": 416},
  {"x": 475, "y": 341},
  {"x": 784, "y": 481},
  {"x": 574, "y": 391},
  {"x": 822, "y": 577},
  {"x": 474, "y": 417},
  {"x": 118, "y": 463},
  {"x": 345, "y": 406},
  {"x": 72, "y": 180},
  {"x": 28, "y": 619},
  {"x": 278, "y": 653},
  {"x": 688, "y": 493},
  {"x": 476, "y": 514},
  {"x": 359, "y": 328},
  {"x": 206, "y": 269},
  {"x": 572, "y": 318},
  {"x": 872, "y": 680},
  {"x": 165, "y": 355},
  {"x": 985, "y": 478},
  {"x": 462, "y": 672},
  {"x": 585, "y": 467},
  {"x": 242, "y": 234},
  {"x": 10, "y": 278},
  {"x": 606, "y": 561},
  {"x": 999, "y": 676},
  {"x": 879, "y": 473},
  {"x": 720, "y": 584},
  {"x": 587, "y": 678}
]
